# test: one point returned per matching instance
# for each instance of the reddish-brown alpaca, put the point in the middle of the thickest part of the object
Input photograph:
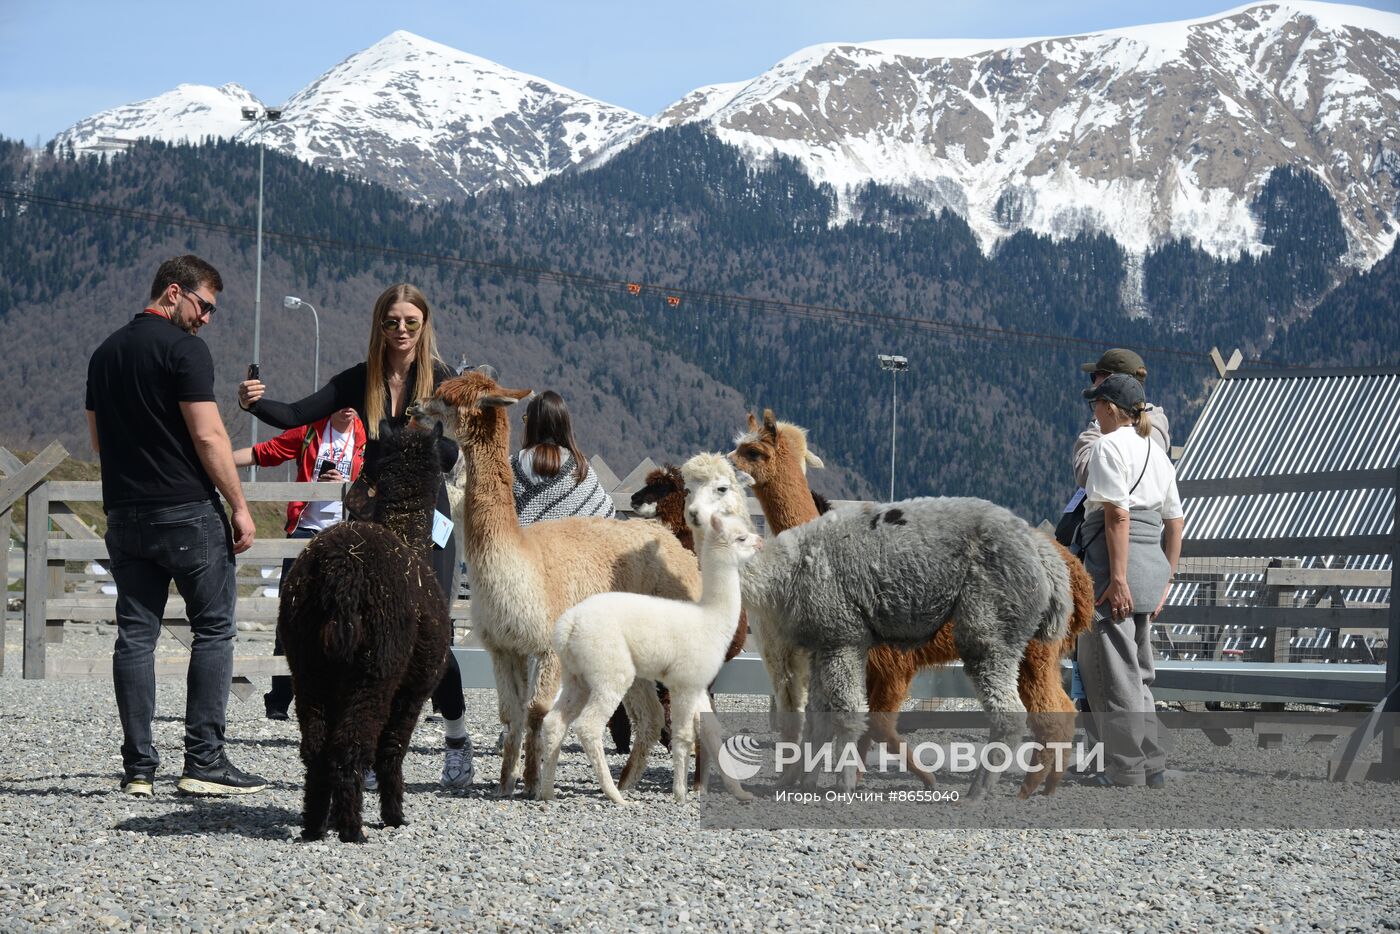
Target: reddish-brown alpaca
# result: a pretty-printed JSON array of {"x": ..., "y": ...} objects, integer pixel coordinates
[{"x": 775, "y": 454}]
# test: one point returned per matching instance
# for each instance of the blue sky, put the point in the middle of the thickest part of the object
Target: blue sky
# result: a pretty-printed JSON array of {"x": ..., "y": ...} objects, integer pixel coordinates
[{"x": 62, "y": 60}]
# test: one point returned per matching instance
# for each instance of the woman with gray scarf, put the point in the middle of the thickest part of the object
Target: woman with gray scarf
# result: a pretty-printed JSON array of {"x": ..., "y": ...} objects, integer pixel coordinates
[{"x": 1130, "y": 543}]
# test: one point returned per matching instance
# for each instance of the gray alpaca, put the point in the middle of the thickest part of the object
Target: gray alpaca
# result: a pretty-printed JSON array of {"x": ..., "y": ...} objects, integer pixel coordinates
[{"x": 896, "y": 574}]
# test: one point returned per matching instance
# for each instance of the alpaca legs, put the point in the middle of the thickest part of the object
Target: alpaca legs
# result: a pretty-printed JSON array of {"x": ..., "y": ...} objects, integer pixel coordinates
[
  {"x": 838, "y": 693},
  {"x": 992, "y": 667},
  {"x": 705, "y": 752},
  {"x": 556, "y": 724},
  {"x": 511, "y": 675},
  {"x": 311, "y": 717},
  {"x": 644, "y": 708},
  {"x": 708, "y": 739},
  {"x": 788, "y": 672},
  {"x": 544, "y": 685},
  {"x": 1051, "y": 712},
  {"x": 316, "y": 811},
  {"x": 388, "y": 757},
  {"x": 589, "y": 729},
  {"x": 684, "y": 705}
]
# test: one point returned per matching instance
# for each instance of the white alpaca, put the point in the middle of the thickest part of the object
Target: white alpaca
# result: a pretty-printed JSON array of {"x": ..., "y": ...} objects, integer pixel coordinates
[
  {"x": 613, "y": 641},
  {"x": 713, "y": 485},
  {"x": 713, "y": 488}
]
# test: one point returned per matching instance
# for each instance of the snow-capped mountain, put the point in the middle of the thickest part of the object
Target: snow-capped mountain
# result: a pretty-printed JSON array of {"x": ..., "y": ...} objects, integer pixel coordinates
[
  {"x": 407, "y": 112},
  {"x": 426, "y": 118},
  {"x": 189, "y": 113},
  {"x": 1148, "y": 133}
]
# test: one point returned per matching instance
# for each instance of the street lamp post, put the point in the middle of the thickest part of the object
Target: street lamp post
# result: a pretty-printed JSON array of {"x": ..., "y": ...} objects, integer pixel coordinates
[
  {"x": 262, "y": 117},
  {"x": 896, "y": 365},
  {"x": 291, "y": 301}
]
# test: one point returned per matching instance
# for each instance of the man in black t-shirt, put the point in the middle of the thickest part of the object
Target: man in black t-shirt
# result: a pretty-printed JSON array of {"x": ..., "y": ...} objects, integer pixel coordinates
[{"x": 164, "y": 451}]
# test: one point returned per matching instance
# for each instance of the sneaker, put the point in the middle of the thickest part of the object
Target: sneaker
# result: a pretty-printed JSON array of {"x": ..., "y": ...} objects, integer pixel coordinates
[
  {"x": 141, "y": 786},
  {"x": 457, "y": 767},
  {"x": 371, "y": 780},
  {"x": 275, "y": 713},
  {"x": 222, "y": 779}
]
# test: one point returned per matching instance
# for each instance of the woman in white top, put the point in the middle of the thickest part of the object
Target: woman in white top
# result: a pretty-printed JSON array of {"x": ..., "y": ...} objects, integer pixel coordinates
[{"x": 1130, "y": 542}]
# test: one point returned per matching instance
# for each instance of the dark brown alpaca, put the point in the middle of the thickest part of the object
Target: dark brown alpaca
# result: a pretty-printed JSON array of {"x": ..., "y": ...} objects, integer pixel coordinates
[
  {"x": 774, "y": 454},
  {"x": 366, "y": 631}
]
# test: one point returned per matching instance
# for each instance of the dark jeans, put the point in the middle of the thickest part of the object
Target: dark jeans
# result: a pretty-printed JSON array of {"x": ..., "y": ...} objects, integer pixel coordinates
[
  {"x": 447, "y": 697},
  {"x": 192, "y": 545},
  {"x": 280, "y": 697}
]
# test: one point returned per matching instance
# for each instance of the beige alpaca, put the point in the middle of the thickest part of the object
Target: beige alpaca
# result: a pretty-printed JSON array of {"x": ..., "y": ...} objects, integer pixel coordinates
[
  {"x": 523, "y": 579},
  {"x": 609, "y": 641}
]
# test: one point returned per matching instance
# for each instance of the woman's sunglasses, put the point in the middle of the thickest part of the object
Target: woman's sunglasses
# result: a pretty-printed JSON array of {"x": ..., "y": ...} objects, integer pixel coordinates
[{"x": 409, "y": 324}]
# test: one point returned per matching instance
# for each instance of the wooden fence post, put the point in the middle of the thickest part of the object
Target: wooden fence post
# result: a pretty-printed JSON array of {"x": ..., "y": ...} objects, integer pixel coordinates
[{"x": 36, "y": 578}]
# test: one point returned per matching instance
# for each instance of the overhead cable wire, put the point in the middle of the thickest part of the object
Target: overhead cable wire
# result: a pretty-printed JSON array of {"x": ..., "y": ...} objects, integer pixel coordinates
[{"x": 633, "y": 288}]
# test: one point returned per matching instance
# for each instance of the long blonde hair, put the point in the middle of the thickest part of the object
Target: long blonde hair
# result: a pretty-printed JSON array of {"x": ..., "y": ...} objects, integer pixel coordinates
[{"x": 425, "y": 353}]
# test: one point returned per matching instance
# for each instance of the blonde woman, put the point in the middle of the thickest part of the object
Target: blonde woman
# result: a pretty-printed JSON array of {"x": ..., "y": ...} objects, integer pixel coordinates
[
  {"x": 1130, "y": 542},
  {"x": 401, "y": 367}
]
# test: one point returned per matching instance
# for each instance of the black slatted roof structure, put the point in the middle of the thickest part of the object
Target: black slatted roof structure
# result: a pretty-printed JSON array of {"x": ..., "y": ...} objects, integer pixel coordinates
[{"x": 1262, "y": 430}]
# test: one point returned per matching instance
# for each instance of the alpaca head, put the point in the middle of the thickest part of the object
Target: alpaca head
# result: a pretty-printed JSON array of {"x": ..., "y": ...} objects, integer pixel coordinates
[
  {"x": 663, "y": 482},
  {"x": 774, "y": 451},
  {"x": 406, "y": 474},
  {"x": 471, "y": 407},
  {"x": 732, "y": 535},
  {"x": 713, "y": 488}
]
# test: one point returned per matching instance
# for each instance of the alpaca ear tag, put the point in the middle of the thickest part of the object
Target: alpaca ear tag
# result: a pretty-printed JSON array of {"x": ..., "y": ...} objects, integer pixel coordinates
[{"x": 442, "y": 529}]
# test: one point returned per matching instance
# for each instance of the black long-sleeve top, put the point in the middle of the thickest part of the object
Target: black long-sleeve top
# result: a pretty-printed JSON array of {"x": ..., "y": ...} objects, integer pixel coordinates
[{"x": 347, "y": 388}]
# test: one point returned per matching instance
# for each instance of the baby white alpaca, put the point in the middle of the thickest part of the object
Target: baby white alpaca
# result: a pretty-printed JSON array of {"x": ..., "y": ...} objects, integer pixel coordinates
[{"x": 610, "y": 640}]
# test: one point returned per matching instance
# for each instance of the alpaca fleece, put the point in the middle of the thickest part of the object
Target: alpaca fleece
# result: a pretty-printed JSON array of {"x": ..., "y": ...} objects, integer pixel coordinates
[
  {"x": 366, "y": 632},
  {"x": 522, "y": 579},
  {"x": 898, "y": 573},
  {"x": 610, "y": 641},
  {"x": 777, "y": 455}
]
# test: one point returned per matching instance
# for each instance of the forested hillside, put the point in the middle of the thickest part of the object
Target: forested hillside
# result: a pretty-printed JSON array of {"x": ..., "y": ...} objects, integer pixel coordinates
[{"x": 988, "y": 407}]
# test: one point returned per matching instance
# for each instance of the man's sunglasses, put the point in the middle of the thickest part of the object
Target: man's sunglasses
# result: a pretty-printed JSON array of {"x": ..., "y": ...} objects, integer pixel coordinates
[
  {"x": 205, "y": 308},
  {"x": 1099, "y": 374},
  {"x": 409, "y": 324}
]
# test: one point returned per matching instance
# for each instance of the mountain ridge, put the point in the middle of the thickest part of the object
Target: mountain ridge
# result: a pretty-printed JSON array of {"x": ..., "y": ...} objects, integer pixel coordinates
[{"x": 1149, "y": 133}]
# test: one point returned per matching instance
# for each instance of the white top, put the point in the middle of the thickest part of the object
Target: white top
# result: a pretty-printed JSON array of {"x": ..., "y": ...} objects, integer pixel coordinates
[
  {"x": 1116, "y": 461},
  {"x": 321, "y": 515}
]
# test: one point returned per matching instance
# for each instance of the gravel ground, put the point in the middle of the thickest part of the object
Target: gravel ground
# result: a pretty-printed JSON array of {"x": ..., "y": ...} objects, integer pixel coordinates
[{"x": 77, "y": 854}]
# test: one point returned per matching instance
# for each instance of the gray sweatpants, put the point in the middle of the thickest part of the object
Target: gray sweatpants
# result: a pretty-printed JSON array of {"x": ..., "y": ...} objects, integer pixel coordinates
[{"x": 1115, "y": 664}]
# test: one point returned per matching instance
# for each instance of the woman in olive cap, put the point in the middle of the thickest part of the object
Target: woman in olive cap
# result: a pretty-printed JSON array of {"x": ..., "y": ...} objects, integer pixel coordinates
[{"x": 1130, "y": 543}]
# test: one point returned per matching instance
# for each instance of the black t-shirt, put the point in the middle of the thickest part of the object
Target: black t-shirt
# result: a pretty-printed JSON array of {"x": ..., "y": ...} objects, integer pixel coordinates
[{"x": 135, "y": 383}]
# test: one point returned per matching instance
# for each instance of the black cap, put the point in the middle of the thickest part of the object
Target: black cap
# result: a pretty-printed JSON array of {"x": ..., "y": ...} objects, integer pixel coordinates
[
  {"x": 1117, "y": 360},
  {"x": 1121, "y": 389}
]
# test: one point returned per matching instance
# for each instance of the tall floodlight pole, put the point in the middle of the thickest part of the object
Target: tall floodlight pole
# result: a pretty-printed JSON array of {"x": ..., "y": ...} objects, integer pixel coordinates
[
  {"x": 291, "y": 301},
  {"x": 262, "y": 117},
  {"x": 896, "y": 365}
]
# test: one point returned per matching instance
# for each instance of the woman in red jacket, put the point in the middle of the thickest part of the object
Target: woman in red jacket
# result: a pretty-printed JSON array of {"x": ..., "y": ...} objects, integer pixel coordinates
[{"x": 331, "y": 449}]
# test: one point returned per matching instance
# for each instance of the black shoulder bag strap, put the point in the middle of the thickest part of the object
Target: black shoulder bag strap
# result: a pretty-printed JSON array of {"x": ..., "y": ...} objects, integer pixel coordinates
[{"x": 1084, "y": 546}]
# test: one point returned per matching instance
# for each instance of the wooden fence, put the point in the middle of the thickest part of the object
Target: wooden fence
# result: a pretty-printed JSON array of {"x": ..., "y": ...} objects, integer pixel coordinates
[{"x": 49, "y": 602}]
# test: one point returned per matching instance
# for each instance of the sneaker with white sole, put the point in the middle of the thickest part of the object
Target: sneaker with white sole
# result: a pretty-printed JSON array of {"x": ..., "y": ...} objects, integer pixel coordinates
[
  {"x": 223, "y": 779},
  {"x": 140, "y": 786},
  {"x": 457, "y": 766}
]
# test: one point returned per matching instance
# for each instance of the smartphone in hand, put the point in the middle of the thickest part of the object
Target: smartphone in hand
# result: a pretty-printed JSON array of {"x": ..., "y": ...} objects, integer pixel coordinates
[
  {"x": 252, "y": 371},
  {"x": 324, "y": 468}
]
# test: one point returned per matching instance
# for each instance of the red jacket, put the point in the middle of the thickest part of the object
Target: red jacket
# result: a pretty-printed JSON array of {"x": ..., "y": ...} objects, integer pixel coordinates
[{"x": 304, "y": 443}]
